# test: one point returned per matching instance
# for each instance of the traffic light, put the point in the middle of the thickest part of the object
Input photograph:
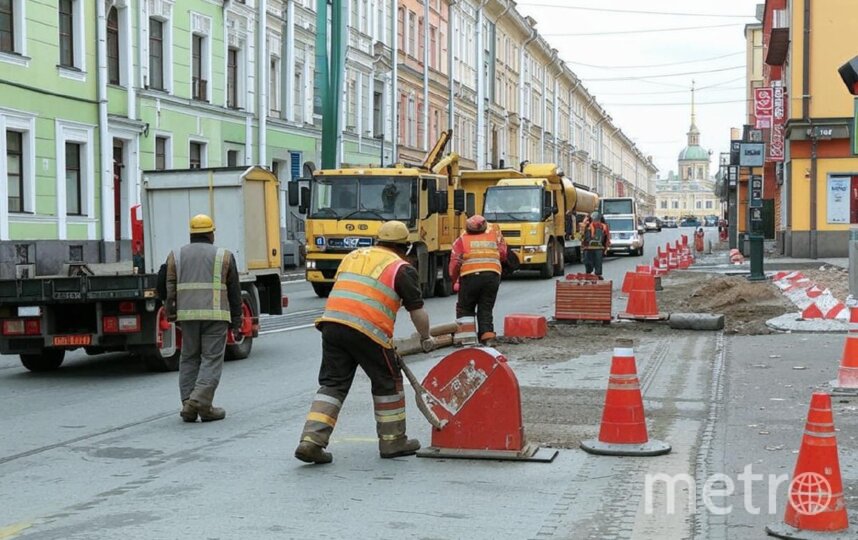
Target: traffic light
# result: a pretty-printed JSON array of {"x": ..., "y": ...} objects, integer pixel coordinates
[{"x": 849, "y": 74}]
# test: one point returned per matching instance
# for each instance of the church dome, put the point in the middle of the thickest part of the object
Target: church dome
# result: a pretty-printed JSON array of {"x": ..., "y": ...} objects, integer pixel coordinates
[{"x": 694, "y": 153}]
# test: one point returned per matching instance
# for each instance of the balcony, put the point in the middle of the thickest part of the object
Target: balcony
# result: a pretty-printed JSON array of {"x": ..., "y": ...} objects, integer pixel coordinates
[
  {"x": 779, "y": 39},
  {"x": 199, "y": 90}
]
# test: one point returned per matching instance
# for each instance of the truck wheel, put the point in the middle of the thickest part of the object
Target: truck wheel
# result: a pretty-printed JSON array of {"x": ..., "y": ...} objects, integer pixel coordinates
[
  {"x": 241, "y": 350},
  {"x": 47, "y": 360},
  {"x": 322, "y": 290},
  {"x": 444, "y": 288},
  {"x": 546, "y": 271},
  {"x": 559, "y": 266}
]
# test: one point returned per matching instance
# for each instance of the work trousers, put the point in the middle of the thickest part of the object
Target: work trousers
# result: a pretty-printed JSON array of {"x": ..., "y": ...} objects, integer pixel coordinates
[
  {"x": 343, "y": 350},
  {"x": 593, "y": 261},
  {"x": 477, "y": 295},
  {"x": 203, "y": 346}
]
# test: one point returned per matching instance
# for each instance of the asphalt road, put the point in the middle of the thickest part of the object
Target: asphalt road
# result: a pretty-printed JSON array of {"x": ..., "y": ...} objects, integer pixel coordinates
[{"x": 97, "y": 449}]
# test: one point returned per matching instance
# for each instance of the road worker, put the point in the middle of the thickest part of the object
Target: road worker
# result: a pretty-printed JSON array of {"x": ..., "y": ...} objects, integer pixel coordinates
[
  {"x": 204, "y": 298},
  {"x": 357, "y": 330},
  {"x": 698, "y": 240},
  {"x": 597, "y": 240},
  {"x": 476, "y": 262}
]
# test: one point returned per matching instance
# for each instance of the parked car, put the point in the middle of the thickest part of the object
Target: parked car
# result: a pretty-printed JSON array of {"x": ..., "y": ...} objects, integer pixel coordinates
[
  {"x": 652, "y": 223},
  {"x": 625, "y": 236},
  {"x": 690, "y": 222},
  {"x": 669, "y": 223},
  {"x": 710, "y": 221}
]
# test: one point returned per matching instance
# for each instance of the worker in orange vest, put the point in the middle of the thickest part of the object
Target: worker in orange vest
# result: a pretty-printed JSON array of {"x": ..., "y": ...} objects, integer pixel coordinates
[
  {"x": 698, "y": 240},
  {"x": 476, "y": 262},
  {"x": 597, "y": 240},
  {"x": 357, "y": 330}
]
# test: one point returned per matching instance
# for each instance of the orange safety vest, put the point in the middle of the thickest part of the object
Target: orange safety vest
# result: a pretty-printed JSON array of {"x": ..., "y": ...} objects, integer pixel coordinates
[
  {"x": 481, "y": 253},
  {"x": 364, "y": 297}
]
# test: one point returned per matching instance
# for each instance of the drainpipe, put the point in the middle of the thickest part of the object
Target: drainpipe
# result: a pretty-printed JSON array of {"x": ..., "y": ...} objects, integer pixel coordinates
[
  {"x": 107, "y": 207},
  {"x": 426, "y": 75},
  {"x": 394, "y": 84},
  {"x": 529, "y": 40},
  {"x": 289, "y": 61},
  {"x": 481, "y": 88},
  {"x": 451, "y": 94},
  {"x": 262, "y": 62}
]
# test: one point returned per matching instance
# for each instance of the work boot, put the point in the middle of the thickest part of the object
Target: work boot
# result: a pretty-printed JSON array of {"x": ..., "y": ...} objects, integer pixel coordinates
[
  {"x": 207, "y": 412},
  {"x": 312, "y": 453},
  {"x": 488, "y": 339},
  {"x": 398, "y": 447},
  {"x": 189, "y": 412}
]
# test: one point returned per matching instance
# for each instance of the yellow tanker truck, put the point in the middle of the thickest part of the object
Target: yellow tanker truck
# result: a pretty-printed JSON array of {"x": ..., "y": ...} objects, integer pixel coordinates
[{"x": 537, "y": 209}]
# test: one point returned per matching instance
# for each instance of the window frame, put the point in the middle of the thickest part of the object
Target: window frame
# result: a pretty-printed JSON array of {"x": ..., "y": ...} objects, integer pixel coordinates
[
  {"x": 12, "y": 31},
  {"x": 69, "y": 61},
  {"x": 114, "y": 54},
  {"x": 79, "y": 171},
  {"x": 274, "y": 87},
  {"x": 199, "y": 79},
  {"x": 232, "y": 95},
  {"x": 162, "y": 61},
  {"x": 22, "y": 170},
  {"x": 203, "y": 153},
  {"x": 168, "y": 152}
]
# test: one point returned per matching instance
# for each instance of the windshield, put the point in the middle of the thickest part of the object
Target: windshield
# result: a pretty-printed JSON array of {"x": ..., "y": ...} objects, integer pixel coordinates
[
  {"x": 513, "y": 204},
  {"x": 620, "y": 224},
  {"x": 378, "y": 198},
  {"x": 617, "y": 206}
]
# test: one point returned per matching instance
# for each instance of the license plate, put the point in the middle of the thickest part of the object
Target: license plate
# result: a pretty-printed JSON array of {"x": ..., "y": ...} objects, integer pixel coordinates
[{"x": 81, "y": 340}]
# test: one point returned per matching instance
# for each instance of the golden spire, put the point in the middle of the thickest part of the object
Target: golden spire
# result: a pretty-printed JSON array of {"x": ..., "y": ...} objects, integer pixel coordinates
[{"x": 693, "y": 115}]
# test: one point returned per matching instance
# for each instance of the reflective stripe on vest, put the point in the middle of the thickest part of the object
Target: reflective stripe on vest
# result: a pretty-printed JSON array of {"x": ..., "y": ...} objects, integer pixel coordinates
[
  {"x": 481, "y": 253},
  {"x": 364, "y": 297},
  {"x": 201, "y": 291}
]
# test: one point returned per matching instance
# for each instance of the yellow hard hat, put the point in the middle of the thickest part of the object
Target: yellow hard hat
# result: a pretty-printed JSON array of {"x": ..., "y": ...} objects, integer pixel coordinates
[
  {"x": 201, "y": 224},
  {"x": 393, "y": 231}
]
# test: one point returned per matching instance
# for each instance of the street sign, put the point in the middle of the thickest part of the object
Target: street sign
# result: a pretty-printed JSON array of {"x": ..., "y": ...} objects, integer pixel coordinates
[
  {"x": 756, "y": 214},
  {"x": 734, "y": 152},
  {"x": 763, "y": 107},
  {"x": 752, "y": 154},
  {"x": 733, "y": 175},
  {"x": 756, "y": 195}
]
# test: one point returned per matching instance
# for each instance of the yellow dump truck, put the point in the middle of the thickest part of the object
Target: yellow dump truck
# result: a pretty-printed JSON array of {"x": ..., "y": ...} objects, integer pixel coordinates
[
  {"x": 537, "y": 209},
  {"x": 345, "y": 208}
]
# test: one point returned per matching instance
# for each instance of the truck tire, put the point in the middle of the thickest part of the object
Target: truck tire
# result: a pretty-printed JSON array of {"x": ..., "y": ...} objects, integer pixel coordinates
[
  {"x": 322, "y": 290},
  {"x": 155, "y": 361},
  {"x": 559, "y": 263},
  {"x": 546, "y": 271},
  {"x": 444, "y": 288},
  {"x": 241, "y": 350},
  {"x": 47, "y": 360}
]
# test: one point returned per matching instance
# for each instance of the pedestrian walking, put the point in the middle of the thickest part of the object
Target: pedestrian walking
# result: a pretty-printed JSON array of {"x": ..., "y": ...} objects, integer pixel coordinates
[
  {"x": 204, "y": 298},
  {"x": 357, "y": 330},
  {"x": 597, "y": 240},
  {"x": 477, "y": 263}
]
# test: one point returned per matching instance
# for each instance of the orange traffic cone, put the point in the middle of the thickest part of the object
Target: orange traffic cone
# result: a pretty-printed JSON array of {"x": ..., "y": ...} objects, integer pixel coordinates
[
  {"x": 662, "y": 260},
  {"x": 847, "y": 377},
  {"x": 642, "y": 305},
  {"x": 628, "y": 282},
  {"x": 672, "y": 262},
  {"x": 623, "y": 430},
  {"x": 816, "y": 503}
]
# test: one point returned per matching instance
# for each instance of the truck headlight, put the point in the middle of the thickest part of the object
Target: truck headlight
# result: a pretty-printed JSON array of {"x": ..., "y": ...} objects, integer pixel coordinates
[
  {"x": 535, "y": 249},
  {"x": 311, "y": 265}
]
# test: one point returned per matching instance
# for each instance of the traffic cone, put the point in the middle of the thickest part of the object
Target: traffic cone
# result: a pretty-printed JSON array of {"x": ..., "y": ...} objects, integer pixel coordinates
[
  {"x": 672, "y": 262},
  {"x": 623, "y": 429},
  {"x": 628, "y": 282},
  {"x": 643, "y": 269},
  {"x": 815, "y": 503},
  {"x": 642, "y": 305},
  {"x": 847, "y": 376}
]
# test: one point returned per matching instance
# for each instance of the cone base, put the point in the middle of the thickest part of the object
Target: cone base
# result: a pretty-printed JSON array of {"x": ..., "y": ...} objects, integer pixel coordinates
[
  {"x": 782, "y": 530},
  {"x": 632, "y": 317},
  {"x": 842, "y": 390},
  {"x": 650, "y": 448},
  {"x": 530, "y": 452}
]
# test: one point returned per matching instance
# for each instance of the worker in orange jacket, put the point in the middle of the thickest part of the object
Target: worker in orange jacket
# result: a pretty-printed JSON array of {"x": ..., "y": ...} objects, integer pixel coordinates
[{"x": 476, "y": 262}]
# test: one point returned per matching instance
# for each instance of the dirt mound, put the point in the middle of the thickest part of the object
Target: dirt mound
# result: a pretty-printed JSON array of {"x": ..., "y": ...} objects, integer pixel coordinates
[
  {"x": 834, "y": 278},
  {"x": 746, "y": 305}
]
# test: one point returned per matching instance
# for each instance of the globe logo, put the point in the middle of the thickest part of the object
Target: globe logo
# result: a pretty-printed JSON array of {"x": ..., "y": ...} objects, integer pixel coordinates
[{"x": 810, "y": 493}]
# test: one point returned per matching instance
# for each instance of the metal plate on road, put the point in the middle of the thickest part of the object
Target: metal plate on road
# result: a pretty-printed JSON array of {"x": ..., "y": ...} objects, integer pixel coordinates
[{"x": 75, "y": 340}]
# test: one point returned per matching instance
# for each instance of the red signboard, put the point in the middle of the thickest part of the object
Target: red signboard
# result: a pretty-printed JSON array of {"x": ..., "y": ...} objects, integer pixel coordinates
[
  {"x": 776, "y": 142},
  {"x": 763, "y": 105}
]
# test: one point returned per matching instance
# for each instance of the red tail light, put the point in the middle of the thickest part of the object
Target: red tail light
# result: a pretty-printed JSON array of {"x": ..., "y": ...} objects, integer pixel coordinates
[
  {"x": 127, "y": 307},
  {"x": 22, "y": 327}
]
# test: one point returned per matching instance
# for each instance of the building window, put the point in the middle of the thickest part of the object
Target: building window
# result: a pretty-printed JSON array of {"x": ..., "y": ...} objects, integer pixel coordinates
[
  {"x": 113, "y": 46},
  {"x": 232, "y": 158},
  {"x": 160, "y": 153},
  {"x": 664, "y": 205},
  {"x": 7, "y": 25},
  {"x": 156, "y": 54},
  {"x": 400, "y": 28},
  {"x": 66, "y": 10},
  {"x": 232, "y": 78},
  {"x": 377, "y": 114},
  {"x": 196, "y": 155},
  {"x": 199, "y": 90},
  {"x": 698, "y": 205},
  {"x": 74, "y": 203},
  {"x": 675, "y": 205},
  {"x": 433, "y": 47},
  {"x": 15, "y": 170},
  {"x": 709, "y": 205},
  {"x": 274, "y": 86},
  {"x": 298, "y": 94}
]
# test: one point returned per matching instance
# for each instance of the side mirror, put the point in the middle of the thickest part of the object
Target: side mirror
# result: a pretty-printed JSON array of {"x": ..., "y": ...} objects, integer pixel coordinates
[
  {"x": 292, "y": 188},
  {"x": 459, "y": 200},
  {"x": 305, "y": 200},
  {"x": 431, "y": 199},
  {"x": 443, "y": 202}
]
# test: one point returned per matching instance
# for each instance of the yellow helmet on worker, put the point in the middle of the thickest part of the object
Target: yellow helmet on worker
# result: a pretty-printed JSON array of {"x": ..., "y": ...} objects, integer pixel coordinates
[
  {"x": 394, "y": 232},
  {"x": 201, "y": 224}
]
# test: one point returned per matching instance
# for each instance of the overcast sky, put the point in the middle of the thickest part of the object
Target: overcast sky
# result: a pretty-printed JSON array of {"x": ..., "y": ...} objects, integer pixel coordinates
[{"x": 655, "y": 112}]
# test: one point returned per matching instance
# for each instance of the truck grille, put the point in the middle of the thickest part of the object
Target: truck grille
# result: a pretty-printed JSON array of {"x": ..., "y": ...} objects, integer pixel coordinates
[{"x": 512, "y": 233}]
